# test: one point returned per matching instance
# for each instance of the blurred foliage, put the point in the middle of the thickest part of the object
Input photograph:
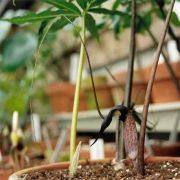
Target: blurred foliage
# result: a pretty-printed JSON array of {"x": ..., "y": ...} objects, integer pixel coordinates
[
  {"x": 13, "y": 97},
  {"x": 17, "y": 71},
  {"x": 18, "y": 50}
]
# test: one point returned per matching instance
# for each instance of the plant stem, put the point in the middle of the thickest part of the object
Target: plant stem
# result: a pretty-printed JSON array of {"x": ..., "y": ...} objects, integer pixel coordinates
[
  {"x": 170, "y": 30},
  {"x": 140, "y": 160},
  {"x": 77, "y": 93},
  {"x": 128, "y": 88}
]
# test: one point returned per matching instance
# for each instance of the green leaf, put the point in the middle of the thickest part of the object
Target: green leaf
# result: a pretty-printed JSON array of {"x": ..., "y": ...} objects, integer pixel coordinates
[
  {"x": 82, "y": 3},
  {"x": 91, "y": 26},
  {"x": 108, "y": 12},
  {"x": 61, "y": 4},
  {"x": 102, "y": 23},
  {"x": 59, "y": 24},
  {"x": 157, "y": 12},
  {"x": 97, "y": 3},
  {"x": 32, "y": 17},
  {"x": 116, "y": 25},
  {"x": 174, "y": 19},
  {"x": 17, "y": 50},
  {"x": 116, "y": 4},
  {"x": 144, "y": 22}
]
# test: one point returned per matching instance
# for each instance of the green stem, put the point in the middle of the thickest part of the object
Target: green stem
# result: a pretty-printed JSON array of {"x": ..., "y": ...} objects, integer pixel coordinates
[{"x": 77, "y": 93}]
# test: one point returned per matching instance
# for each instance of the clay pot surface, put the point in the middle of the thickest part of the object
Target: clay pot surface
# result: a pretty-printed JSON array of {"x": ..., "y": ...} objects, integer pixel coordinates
[
  {"x": 103, "y": 92},
  {"x": 62, "y": 97},
  {"x": 164, "y": 89},
  {"x": 167, "y": 150},
  {"x": 65, "y": 165},
  {"x": 138, "y": 89},
  {"x": 4, "y": 174}
]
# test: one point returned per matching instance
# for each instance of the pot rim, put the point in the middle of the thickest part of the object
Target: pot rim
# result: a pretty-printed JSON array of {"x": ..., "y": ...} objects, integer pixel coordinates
[
  {"x": 54, "y": 166},
  {"x": 64, "y": 165}
]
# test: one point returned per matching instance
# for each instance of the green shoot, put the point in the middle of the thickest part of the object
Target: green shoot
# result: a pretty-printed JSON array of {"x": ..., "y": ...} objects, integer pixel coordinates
[{"x": 74, "y": 162}]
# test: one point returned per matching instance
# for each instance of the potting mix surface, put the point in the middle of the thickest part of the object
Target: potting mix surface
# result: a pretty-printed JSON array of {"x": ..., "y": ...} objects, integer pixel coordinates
[{"x": 158, "y": 171}]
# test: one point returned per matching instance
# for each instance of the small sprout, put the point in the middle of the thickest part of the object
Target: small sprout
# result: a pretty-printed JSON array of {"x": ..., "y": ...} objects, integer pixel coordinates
[{"x": 74, "y": 162}]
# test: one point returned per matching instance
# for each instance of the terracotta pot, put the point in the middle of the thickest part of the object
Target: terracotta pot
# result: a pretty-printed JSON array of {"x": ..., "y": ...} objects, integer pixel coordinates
[
  {"x": 62, "y": 97},
  {"x": 157, "y": 159},
  {"x": 6, "y": 171},
  {"x": 54, "y": 166},
  {"x": 164, "y": 89},
  {"x": 65, "y": 165},
  {"x": 138, "y": 88},
  {"x": 103, "y": 92},
  {"x": 167, "y": 150},
  {"x": 138, "y": 92},
  {"x": 4, "y": 174}
]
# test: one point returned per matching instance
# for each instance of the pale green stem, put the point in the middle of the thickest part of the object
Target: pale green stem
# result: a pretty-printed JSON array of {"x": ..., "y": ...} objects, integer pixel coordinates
[{"x": 77, "y": 94}]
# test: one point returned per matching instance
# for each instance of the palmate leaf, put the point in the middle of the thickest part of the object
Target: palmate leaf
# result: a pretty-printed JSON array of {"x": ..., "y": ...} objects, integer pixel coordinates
[
  {"x": 61, "y": 4},
  {"x": 33, "y": 17},
  {"x": 91, "y": 26}
]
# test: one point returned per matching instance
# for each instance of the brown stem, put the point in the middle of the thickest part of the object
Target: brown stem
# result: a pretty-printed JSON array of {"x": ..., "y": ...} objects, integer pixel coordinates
[
  {"x": 92, "y": 80},
  {"x": 168, "y": 65},
  {"x": 140, "y": 160},
  {"x": 128, "y": 88}
]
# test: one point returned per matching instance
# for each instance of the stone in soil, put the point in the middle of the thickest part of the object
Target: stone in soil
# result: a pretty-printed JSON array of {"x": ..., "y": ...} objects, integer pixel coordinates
[{"x": 158, "y": 171}]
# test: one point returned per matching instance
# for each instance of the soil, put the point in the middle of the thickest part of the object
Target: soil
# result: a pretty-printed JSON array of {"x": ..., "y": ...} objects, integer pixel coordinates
[{"x": 154, "y": 171}]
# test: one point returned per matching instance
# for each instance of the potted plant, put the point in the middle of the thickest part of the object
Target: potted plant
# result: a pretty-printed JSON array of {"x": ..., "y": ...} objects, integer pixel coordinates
[{"x": 129, "y": 133}]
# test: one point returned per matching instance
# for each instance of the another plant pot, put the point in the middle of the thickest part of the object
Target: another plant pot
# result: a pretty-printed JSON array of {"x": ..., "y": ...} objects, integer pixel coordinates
[
  {"x": 62, "y": 96},
  {"x": 5, "y": 173},
  {"x": 166, "y": 149},
  {"x": 138, "y": 88},
  {"x": 5, "y": 169},
  {"x": 65, "y": 165},
  {"x": 164, "y": 89},
  {"x": 103, "y": 92}
]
